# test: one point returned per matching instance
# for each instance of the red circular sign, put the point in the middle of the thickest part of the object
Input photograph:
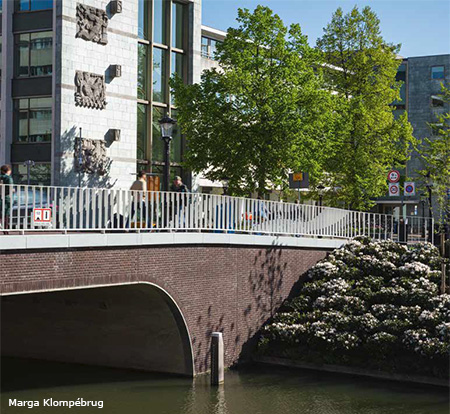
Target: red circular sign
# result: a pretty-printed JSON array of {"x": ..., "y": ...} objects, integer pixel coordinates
[
  {"x": 393, "y": 176},
  {"x": 409, "y": 188},
  {"x": 393, "y": 189}
]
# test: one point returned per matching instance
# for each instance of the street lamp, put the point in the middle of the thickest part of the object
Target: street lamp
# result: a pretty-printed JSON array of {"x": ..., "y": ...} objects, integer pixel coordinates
[
  {"x": 166, "y": 124},
  {"x": 422, "y": 201},
  {"x": 320, "y": 190},
  {"x": 29, "y": 164}
]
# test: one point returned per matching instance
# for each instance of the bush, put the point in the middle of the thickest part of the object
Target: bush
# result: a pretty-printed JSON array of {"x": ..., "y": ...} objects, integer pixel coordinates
[{"x": 370, "y": 303}]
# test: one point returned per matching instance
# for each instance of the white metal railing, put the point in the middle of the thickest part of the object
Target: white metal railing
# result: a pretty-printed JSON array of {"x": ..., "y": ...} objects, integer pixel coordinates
[{"x": 95, "y": 209}]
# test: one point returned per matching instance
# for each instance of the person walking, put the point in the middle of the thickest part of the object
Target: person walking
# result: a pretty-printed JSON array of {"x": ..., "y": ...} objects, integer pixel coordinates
[
  {"x": 5, "y": 204},
  {"x": 139, "y": 188},
  {"x": 178, "y": 187}
]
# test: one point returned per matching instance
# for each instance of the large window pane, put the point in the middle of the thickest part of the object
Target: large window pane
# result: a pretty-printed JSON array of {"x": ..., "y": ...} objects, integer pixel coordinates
[
  {"x": 177, "y": 142},
  {"x": 143, "y": 19},
  {"x": 33, "y": 120},
  {"x": 40, "y": 174},
  {"x": 177, "y": 67},
  {"x": 30, "y": 5},
  {"x": 159, "y": 21},
  {"x": 142, "y": 71},
  {"x": 159, "y": 77},
  {"x": 437, "y": 72},
  {"x": 34, "y": 54},
  {"x": 142, "y": 132},
  {"x": 177, "y": 25},
  {"x": 157, "y": 142},
  {"x": 22, "y": 51},
  {"x": 41, "y": 54}
]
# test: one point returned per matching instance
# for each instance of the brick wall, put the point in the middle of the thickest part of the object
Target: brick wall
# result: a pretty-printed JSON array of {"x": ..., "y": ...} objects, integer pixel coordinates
[{"x": 218, "y": 288}]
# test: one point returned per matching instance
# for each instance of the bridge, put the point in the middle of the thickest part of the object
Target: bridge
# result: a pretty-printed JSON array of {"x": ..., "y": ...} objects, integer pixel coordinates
[{"x": 140, "y": 280}]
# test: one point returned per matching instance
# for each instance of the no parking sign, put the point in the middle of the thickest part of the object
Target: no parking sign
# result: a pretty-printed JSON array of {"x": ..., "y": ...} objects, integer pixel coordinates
[{"x": 410, "y": 188}]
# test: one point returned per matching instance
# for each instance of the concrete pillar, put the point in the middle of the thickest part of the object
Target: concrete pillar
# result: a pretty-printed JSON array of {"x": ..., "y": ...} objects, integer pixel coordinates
[{"x": 217, "y": 360}]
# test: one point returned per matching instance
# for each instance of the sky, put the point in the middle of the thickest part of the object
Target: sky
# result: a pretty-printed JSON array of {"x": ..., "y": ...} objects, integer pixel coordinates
[{"x": 421, "y": 26}]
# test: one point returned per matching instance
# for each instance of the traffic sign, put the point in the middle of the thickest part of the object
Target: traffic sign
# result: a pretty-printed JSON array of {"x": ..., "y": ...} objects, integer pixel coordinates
[
  {"x": 393, "y": 176},
  {"x": 299, "y": 180},
  {"x": 410, "y": 188},
  {"x": 394, "y": 189}
]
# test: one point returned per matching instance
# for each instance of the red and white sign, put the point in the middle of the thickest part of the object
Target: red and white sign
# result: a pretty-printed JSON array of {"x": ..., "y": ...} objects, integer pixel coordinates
[
  {"x": 394, "y": 189},
  {"x": 393, "y": 176},
  {"x": 42, "y": 216},
  {"x": 410, "y": 188}
]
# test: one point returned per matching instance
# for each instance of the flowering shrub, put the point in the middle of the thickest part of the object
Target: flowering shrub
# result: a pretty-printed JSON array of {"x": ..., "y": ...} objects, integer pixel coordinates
[{"x": 369, "y": 303}]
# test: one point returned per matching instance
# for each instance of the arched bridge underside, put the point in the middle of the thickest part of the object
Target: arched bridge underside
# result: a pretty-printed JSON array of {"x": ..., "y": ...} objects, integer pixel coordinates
[{"x": 147, "y": 307}]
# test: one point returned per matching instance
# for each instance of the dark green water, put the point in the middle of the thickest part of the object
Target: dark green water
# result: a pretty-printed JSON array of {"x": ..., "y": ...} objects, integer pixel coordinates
[{"x": 253, "y": 390}]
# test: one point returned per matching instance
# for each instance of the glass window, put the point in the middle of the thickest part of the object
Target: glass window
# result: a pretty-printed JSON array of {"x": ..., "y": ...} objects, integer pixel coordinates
[
  {"x": 209, "y": 47},
  {"x": 34, "y": 54},
  {"x": 159, "y": 75},
  {"x": 40, "y": 174},
  {"x": 157, "y": 142},
  {"x": 0, "y": 56},
  {"x": 177, "y": 142},
  {"x": 437, "y": 72},
  {"x": 31, "y": 5},
  {"x": 159, "y": 21},
  {"x": 142, "y": 71},
  {"x": 177, "y": 67},
  {"x": 143, "y": 19},
  {"x": 437, "y": 101},
  {"x": 33, "y": 120},
  {"x": 177, "y": 25},
  {"x": 142, "y": 132},
  {"x": 205, "y": 46}
]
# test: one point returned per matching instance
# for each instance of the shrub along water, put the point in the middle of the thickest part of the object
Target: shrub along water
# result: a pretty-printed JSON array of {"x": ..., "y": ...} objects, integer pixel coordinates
[{"x": 370, "y": 304}]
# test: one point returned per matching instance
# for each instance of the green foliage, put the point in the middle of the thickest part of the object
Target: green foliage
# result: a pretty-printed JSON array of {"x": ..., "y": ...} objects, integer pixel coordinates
[
  {"x": 435, "y": 154},
  {"x": 263, "y": 113},
  {"x": 377, "y": 299},
  {"x": 361, "y": 68}
]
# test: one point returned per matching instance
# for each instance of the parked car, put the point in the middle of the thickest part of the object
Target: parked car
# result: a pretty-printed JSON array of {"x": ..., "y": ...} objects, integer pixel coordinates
[{"x": 24, "y": 202}]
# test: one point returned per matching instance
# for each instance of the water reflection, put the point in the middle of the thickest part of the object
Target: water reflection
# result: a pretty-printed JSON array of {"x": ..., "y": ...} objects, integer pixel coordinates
[{"x": 261, "y": 390}]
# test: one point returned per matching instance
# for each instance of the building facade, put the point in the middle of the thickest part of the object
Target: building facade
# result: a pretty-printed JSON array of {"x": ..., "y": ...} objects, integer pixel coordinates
[
  {"x": 419, "y": 96},
  {"x": 83, "y": 85}
]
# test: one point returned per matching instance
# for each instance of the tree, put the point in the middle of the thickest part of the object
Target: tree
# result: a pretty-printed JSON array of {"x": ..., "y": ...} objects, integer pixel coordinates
[
  {"x": 435, "y": 154},
  {"x": 263, "y": 113},
  {"x": 360, "y": 67}
]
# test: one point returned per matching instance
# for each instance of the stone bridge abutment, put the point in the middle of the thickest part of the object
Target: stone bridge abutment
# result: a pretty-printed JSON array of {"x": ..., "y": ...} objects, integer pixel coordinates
[{"x": 148, "y": 307}]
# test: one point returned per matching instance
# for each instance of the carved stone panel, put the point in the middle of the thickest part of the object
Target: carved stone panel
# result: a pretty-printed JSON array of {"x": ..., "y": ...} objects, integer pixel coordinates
[
  {"x": 90, "y": 156},
  {"x": 90, "y": 90},
  {"x": 92, "y": 24}
]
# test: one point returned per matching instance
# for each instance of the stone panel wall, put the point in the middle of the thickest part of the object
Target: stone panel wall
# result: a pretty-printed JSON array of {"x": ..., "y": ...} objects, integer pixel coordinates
[{"x": 77, "y": 54}]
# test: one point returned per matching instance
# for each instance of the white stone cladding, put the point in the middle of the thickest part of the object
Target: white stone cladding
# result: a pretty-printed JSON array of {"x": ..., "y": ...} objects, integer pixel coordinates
[{"x": 74, "y": 54}]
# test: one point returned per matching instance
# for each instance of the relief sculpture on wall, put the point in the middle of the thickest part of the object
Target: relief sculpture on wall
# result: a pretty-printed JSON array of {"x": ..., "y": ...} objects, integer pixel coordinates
[
  {"x": 90, "y": 156},
  {"x": 92, "y": 24},
  {"x": 90, "y": 90}
]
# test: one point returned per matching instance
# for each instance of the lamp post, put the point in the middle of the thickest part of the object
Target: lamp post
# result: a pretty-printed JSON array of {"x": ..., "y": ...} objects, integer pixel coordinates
[
  {"x": 166, "y": 124},
  {"x": 29, "y": 164},
  {"x": 422, "y": 201},
  {"x": 320, "y": 190}
]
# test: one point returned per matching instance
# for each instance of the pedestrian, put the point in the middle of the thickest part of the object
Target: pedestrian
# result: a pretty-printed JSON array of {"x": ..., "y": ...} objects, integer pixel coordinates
[
  {"x": 5, "y": 204},
  {"x": 178, "y": 187},
  {"x": 139, "y": 194}
]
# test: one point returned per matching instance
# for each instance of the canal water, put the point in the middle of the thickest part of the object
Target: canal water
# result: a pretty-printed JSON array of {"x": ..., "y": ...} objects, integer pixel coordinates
[{"x": 252, "y": 390}]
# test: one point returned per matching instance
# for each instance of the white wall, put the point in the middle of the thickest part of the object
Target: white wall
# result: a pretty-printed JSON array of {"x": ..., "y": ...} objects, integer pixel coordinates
[{"x": 120, "y": 113}]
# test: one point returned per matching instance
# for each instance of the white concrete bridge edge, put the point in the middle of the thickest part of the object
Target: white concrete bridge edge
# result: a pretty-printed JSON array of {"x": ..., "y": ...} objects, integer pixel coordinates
[{"x": 86, "y": 240}]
